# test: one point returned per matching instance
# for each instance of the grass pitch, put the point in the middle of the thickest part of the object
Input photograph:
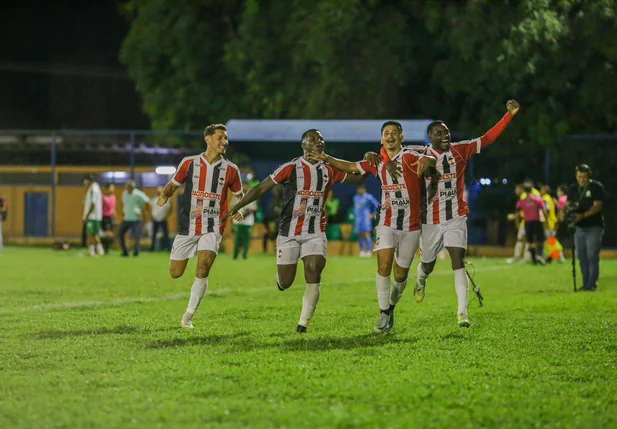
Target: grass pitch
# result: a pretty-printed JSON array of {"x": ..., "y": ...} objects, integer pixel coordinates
[{"x": 91, "y": 343}]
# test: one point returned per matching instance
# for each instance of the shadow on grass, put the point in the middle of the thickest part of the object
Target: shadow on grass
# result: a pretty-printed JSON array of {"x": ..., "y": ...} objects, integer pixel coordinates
[
  {"x": 122, "y": 329},
  {"x": 207, "y": 340},
  {"x": 343, "y": 343}
]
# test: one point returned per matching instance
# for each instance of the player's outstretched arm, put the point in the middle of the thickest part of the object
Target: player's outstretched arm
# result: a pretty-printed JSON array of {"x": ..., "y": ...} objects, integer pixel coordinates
[
  {"x": 491, "y": 135},
  {"x": 354, "y": 179},
  {"x": 168, "y": 191},
  {"x": 252, "y": 195},
  {"x": 346, "y": 166}
]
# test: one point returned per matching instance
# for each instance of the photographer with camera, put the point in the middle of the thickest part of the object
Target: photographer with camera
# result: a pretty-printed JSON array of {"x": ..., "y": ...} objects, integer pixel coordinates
[{"x": 584, "y": 217}]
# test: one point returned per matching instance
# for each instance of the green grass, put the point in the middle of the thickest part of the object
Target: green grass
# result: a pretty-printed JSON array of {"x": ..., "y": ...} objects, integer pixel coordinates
[{"x": 90, "y": 343}]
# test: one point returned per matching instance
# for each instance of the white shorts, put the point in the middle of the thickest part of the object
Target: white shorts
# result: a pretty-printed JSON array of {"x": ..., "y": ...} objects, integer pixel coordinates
[
  {"x": 452, "y": 233},
  {"x": 185, "y": 246},
  {"x": 405, "y": 243},
  {"x": 520, "y": 234},
  {"x": 289, "y": 250}
]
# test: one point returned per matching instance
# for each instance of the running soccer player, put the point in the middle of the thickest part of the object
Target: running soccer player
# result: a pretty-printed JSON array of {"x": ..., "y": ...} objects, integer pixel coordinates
[
  {"x": 209, "y": 177},
  {"x": 398, "y": 230},
  {"x": 93, "y": 214},
  {"x": 444, "y": 219},
  {"x": 305, "y": 183}
]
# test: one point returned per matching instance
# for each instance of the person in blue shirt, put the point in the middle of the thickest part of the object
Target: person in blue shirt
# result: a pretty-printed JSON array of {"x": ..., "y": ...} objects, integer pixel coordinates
[{"x": 365, "y": 207}]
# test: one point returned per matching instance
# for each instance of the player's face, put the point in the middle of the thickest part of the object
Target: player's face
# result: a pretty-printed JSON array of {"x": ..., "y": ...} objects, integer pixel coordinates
[
  {"x": 111, "y": 189},
  {"x": 361, "y": 191},
  {"x": 440, "y": 137},
  {"x": 391, "y": 137},
  {"x": 87, "y": 183},
  {"x": 314, "y": 142},
  {"x": 218, "y": 141},
  {"x": 583, "y": 179},
  {"x": 518, "y": 191}
]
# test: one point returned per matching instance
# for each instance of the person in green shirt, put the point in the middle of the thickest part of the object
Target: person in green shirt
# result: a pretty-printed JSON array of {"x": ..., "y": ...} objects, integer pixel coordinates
[{"x": 133, "y": 201}]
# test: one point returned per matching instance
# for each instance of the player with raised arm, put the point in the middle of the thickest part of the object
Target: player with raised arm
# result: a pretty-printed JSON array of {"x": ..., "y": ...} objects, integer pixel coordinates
[
  {"x": 398, "y": 230},
  {"x": 444, "y": 218},
  {"x": 306, "y": 183},
  {"x": 208, "y": 179}
]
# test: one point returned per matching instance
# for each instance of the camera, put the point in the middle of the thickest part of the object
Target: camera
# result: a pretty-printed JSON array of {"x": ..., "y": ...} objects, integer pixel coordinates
[{"x": 571, "y": 213}]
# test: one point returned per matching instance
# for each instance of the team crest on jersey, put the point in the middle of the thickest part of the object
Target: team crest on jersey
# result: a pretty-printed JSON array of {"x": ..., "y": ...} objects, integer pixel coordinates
[
  {"x": 451, "y": 161},
  {"x": 325, "y": 179},
  {"x": 221, "y": 181},
  {"x": 197, "y": 211},
  {"x": 300, "y": 211}
]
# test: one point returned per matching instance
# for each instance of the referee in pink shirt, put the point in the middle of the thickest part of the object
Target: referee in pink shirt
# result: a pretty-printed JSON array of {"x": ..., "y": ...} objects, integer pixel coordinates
[
  {"x": 534, "y": 231},
  {"x": 109, "y": 216}
]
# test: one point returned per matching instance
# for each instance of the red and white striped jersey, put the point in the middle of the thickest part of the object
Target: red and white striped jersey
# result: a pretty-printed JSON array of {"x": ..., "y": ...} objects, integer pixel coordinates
[
  {"x": 449, "y": 202},
  {"x": 205, "y": 194},
  {"x": 400, "y": 198},
  {"x": 305, "y": 188}
]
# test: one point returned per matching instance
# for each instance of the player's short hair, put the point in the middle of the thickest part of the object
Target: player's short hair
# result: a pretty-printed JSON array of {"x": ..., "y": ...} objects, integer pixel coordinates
[
  {"x": 305, "y": 134},
  {"x": 583, "y": 168},
  {"x": 527, "y": 188},
  {"x": 395, "y": 123},
  {"x": 89, "y": 177},
  {"x": 432, "y": 125},
  {"x": 562, "y": 188},
  {"x": 211, "y": 129},
  {"x": 546, "y": 189}
]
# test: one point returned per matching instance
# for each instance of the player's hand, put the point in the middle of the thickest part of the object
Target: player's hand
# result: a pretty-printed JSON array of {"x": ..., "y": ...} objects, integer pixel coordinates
[
  {"x": 578, "y": 217},
  {"x": 511, "y": 217},
  {"x": 238, "y": 217},
  {"x": 316, "y": 157},
  {"x": 394, "y": 168},
  {"x": 230, "y": 213},
  {"x": 513, "y": 107},
  {"x": 373, "y": 158},
  {"x": 161, "y": 200},
  {"x": 424, "y": 163}
]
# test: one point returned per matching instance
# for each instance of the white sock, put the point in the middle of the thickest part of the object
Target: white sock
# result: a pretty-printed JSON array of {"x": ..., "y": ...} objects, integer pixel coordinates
[
  {"x": 461, "y": 285},
  {"x": 200, "y": 286},
  {"x": 422, "y": 276},
  {"x": 518, "y": 250},
  {"x": 99, "y": 249},
  {"x": 383, "y": 292},
  {"x": 309, "y": 303},
  {"x": 397, "y": 292},
  {"x": 91, "y": 249},
  {"x": 526, "y": 253}
]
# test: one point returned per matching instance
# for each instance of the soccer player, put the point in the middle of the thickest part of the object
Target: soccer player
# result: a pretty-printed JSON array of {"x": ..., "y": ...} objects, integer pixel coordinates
[
  {"x": 208, "y": 179},
  {"x": 93, "y": 214},
  {"x": 444, "y": 219},
  {"x": 109, "y": 216},
  {"x": 243, "y": 228},
  {"x": 306, "y": 183},
  {"x": 133, "y": 203},
  {"x": 365, "y": 208},
  {"x": 398, "y": 230}
]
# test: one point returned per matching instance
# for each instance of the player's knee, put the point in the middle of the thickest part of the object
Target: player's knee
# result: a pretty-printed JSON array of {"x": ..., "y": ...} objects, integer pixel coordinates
[
  {"x": 400, "y": 277},
  {"x": 285, "y": 282},
  {"x": 384, "y": 269},
  {"x": 175, "y": 273},
  {"x": 428, "y": 267}
]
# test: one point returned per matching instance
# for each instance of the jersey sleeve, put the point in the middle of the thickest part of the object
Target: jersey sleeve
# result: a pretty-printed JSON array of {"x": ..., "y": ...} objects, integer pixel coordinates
[
  {"x": 283, "y": 173},
  {"x": 468, "y": 148},
  {"x": 366, "y": 167},
  {"x": 519, "y": 204},
  {"x": 235, "y": 182},
  {"x": 183, "y": 169},
  {"x": 337, "y": 175}
]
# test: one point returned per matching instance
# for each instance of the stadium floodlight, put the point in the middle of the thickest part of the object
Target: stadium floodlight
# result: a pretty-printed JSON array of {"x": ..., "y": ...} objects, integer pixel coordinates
[
  {"x": 116, "y": 175},
  {"x": 504, "y": 181},
  {"x": 165, "y": 170}
]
